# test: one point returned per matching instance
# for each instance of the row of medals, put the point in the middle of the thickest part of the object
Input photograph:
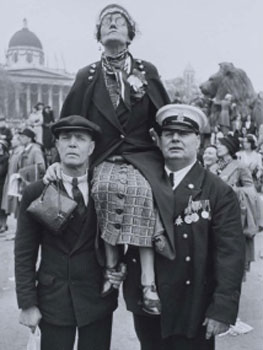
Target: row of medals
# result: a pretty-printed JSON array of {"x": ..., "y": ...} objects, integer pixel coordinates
[{"x": 191, "y": 212}]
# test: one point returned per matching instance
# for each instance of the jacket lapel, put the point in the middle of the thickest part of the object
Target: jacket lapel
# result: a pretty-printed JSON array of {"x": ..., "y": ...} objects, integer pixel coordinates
[
  {"x": 102, "y": 101},
  {"x": 189, "y": 186}
]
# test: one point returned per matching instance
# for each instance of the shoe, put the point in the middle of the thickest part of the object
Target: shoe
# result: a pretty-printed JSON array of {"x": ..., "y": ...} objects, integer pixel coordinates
[
  {"x": 3, "y": 228},
  {"x": 149, "y": 305},
  {"x": 107, "y": 287}
]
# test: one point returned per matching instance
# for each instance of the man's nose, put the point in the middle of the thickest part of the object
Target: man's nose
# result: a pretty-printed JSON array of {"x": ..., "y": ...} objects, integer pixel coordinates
[
  {"x": 176, "y": 136},
  {"x": 72, "y": 141}
]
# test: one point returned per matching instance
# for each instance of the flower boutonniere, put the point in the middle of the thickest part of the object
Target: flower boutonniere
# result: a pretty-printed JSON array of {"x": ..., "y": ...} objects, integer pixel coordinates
[{"x": 137, "y": 82}]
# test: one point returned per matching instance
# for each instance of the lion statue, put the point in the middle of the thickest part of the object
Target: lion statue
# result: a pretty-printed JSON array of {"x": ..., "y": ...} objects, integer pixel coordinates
[{"x": 233, "y": 82}]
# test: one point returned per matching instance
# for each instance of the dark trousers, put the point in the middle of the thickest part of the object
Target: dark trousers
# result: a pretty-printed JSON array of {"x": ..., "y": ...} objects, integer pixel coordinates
[
  {"x": 148, "y": 330},
  {"x": 95, "y": 336}
]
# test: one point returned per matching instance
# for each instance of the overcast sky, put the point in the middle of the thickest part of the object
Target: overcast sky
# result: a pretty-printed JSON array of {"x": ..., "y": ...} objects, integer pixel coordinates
[{"x": 172, "y": 35}]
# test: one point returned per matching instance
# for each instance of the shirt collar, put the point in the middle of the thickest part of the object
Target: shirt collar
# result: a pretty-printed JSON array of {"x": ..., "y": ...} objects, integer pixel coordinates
[
  {"x": 81, "y": 179},
  {"x": 185, "y": 169}
]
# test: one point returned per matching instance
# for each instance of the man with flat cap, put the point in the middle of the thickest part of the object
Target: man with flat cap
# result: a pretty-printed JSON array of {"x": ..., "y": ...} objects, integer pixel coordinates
[
  {"x": 200, "y": 289},
  {"x": 63, "y": 294}
]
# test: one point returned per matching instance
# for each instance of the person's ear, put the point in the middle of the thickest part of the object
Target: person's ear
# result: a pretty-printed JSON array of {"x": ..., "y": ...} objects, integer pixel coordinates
[{"x": 91, "y": 147}]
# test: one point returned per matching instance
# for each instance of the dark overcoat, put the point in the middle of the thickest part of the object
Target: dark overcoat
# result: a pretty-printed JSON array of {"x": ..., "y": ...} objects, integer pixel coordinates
[
  {"x": 66, "y": 287},
  {"x": 205, "y": 278},
  {"x": 125, "y": 131}
]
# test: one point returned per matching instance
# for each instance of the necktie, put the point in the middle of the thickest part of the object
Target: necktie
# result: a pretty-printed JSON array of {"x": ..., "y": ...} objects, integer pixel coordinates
[
  {"x": 78, "y": 197},
  {"x": 171, "y": 178}
]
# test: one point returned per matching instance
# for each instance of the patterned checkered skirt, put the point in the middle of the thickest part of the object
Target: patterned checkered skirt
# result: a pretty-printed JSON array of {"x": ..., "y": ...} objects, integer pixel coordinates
[{"x": 124, "y": 204}]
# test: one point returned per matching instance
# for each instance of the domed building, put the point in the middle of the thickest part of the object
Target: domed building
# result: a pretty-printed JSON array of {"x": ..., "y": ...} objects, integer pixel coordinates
[{"x": 33, "y": 80}]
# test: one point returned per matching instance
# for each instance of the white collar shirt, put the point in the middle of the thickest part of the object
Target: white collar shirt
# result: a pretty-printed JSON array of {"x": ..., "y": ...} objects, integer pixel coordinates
[
  {"x": 82, "y": 185},
  {"x": 179, "y": 175}
]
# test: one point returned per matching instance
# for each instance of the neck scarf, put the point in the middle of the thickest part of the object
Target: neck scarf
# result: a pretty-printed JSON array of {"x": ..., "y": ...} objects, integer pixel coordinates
[
  {"x": 116, "y": 71},
  {"x": 222, "y": 164}
]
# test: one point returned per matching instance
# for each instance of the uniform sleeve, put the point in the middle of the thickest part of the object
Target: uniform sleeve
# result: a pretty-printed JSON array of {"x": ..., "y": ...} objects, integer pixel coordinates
[
  {"x": 26, "y": 252},
  {"x": 228, "y": 256}
]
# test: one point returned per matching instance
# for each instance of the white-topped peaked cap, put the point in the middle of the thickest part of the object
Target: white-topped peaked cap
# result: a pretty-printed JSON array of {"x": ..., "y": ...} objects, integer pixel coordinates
[{"x": 181, "y": 117}]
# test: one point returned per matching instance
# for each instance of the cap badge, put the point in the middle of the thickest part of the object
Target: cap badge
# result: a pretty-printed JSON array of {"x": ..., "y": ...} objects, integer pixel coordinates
[{"x": 180, "y": 117}]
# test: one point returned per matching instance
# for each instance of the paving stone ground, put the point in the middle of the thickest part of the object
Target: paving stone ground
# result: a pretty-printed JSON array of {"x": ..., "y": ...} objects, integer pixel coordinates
[{"x": 14, "y": 336}]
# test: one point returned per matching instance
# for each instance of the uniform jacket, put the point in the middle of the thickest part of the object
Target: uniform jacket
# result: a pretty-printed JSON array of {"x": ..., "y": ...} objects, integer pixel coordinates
[
  {"x": 89, "y": 97},
  {"x": 67, "y": 285},
  {"x": 205, "y": 278}
]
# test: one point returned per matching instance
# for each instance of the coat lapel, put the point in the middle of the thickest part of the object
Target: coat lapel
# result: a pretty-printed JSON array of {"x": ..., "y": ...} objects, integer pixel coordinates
[
  {"x": 189, "y": 186},
  {"x": 102, "y": 101}
]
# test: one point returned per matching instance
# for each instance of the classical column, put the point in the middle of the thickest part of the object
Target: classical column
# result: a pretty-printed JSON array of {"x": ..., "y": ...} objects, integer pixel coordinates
[
  {"x": 39, "y": 93},
  {"x": 6, "y": 109},
  {"x": 28, "y": 99},
  {"x": 17, "y": 102},
  {"x": 50, "y": 98},
  {"x": 60, "y": 98}
]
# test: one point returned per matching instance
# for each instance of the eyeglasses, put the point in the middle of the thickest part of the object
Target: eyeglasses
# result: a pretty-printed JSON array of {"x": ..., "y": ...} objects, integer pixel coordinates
[{"x": 119, "y": 21}]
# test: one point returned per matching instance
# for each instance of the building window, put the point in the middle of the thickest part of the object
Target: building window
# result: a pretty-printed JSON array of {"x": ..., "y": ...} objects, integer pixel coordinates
[
  {"x": 29, "y": 57},
  {"x": 15, "y": 57},
  {"x": 41, "y": 59}
]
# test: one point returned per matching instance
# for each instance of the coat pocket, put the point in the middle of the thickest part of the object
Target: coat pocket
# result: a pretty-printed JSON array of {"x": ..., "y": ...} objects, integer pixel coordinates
[{"x": 45, "y": 279}]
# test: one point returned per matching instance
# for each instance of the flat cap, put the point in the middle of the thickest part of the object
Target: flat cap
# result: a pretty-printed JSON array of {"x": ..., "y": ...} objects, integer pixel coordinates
[
  {"x": 75, "y": 122},
  {"x": 181, "y": 117}
]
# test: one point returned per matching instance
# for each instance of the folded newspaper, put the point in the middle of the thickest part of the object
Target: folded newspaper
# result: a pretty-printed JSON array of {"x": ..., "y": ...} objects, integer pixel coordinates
[{"x": 237, "y": 329}]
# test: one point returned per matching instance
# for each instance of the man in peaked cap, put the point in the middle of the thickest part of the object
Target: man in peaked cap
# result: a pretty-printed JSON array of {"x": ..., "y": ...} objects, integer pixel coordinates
[
  {"x": 200, "y": 289},
  {"x": 64, "y": 294}
]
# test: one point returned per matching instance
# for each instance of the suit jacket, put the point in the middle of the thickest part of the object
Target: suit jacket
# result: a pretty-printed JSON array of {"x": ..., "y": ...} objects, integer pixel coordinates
[
  {"x": 89, "y": 97},
  {"x": 205, "y": 278},
  {"x": 66, "y": 286}
]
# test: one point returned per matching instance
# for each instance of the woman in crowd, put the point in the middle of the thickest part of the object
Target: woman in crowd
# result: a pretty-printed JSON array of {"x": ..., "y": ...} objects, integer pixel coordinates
[
  {"x": 3, "y": 171},
  {"x": 35, "y": 122},
  {"x": 252, "y": 158},
  {"x": 10, "y": 197},
  {"x": 237, "y": 175},
  {"x": 122, "y": 94},
  {"x": 210, "y": 158}
]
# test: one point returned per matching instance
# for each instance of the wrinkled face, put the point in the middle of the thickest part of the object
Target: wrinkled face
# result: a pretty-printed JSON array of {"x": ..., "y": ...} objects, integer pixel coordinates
[
  {"x": 74, "y": 148},
  {"x": 222, "y": 150},
  {"x": 179, "y": 145},
  {"x": 210, "y": 156},
  {"x": 114, "y": 29}
]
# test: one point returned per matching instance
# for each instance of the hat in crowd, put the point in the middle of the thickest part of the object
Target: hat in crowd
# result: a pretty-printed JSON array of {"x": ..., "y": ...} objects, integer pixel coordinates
[
  {"x": 231, "y": 142},
  {"x": 181, "y": 117},
  {"x": 115, "y": 8},
  {"x": 28, "y": 133},
  {"x": 2, "y": 117},
  {"x": 75, "y": 122}
]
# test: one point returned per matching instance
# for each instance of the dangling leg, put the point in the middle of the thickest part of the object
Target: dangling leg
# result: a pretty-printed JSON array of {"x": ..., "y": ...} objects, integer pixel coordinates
[
  {"x": 112, "y": 259},
  {"x": 151, "y": 301}
]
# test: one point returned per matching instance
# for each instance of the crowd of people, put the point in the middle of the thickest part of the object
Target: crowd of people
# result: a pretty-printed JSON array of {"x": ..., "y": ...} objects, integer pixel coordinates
[
  {"x": 25, "y": 152},
  {"x": 174, "y": 224}
]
